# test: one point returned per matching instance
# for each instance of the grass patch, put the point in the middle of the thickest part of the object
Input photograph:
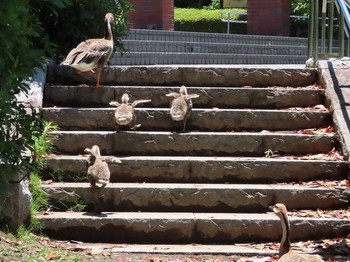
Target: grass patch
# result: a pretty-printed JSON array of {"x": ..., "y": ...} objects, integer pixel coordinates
[
  {"x": 25, "y": 246},
  {"x": 43, "y": 145},
  {"x": 70, "y": 202},
  {"x": 206, "y": 20},
  {"x": 59, "y": 175}
]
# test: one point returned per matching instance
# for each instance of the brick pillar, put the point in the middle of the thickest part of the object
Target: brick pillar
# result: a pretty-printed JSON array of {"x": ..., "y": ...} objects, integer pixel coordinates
[
  {"x": 268, "y": 17},
  {"x": 152, "y": 14}
]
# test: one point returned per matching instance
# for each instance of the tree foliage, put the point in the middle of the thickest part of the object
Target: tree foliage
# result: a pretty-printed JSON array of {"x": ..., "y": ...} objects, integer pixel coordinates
[
  {"x": 79, "y": 20},
  {"x": 19, "y": 30},
  {"x": 300, "y": 7},
  {"x": 30, "y": 32}
]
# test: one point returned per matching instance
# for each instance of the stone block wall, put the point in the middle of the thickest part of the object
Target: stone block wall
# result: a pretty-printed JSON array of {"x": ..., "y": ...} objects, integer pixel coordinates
[
  {"x": 268, "y": 17},
  {"x": 152, "y": 14},
  {"x": 15, "y": 198}
]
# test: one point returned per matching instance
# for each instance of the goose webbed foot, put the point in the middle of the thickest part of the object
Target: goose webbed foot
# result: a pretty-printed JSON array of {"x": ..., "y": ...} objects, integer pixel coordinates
[{"x": 136, "y": 127}]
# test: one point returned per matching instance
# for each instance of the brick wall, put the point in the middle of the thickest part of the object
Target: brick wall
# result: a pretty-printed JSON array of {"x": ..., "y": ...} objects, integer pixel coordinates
[
  {"x": 152, "y": 14},
  {"x": 268, "y": 17}
]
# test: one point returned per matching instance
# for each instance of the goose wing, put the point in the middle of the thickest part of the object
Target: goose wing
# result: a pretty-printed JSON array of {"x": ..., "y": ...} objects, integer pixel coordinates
[{"x": 89, "y": 52}]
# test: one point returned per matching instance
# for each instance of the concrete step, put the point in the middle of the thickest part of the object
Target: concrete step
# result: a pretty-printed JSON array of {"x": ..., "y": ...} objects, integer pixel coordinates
[
  {"x": 157, "y": 197},
  {"x": 182, "y": 36},
  {"x": 165, "y": 228},
  {"x": 152, "y": 47},
  {"x": 172, "y": 58},
  {"x": 215, "y": 119},
  {"x": 182, "y": 175},
  {"x": 190, "y": 169},
  {"x": 192, "y": 75},
  {"x": 200, "y": 47},
  {"x": 221, "y": 97},
  {"x": 186, "y": 250},
  {"x": 192, "y": 143}
]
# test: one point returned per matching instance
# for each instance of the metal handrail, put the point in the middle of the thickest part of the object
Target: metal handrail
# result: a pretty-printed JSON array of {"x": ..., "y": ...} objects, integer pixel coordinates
[
  {"x": 230, "y": 18},
  {"x": 321, "y": 41},
  {"x": 344, "y": 6}
]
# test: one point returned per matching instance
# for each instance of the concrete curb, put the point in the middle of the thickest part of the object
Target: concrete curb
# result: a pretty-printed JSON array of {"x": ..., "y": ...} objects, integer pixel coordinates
[{"x": 335, "y": 76}]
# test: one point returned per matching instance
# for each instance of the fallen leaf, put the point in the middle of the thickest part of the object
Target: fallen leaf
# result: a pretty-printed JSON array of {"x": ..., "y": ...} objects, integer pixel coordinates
[
  {"x": 76, "y": 242},
  {"x": 52, "y": 256}
]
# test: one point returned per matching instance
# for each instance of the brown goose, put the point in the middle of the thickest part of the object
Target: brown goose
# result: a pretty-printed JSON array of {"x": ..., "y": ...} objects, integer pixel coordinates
[
  {"x": 286, "y": 254},
  {"x": 93, "y": 53}
]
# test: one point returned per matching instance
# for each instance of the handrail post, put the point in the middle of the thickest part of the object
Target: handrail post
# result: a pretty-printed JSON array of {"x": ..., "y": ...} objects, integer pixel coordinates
[
  {"x": 228, "y": 22},
  {"x": 329, "y": 16},
  {"x": 315, "y": 51},
  {"x": 341, "y": 34},
  {"x": 323, "y": 27},
  {"x": 310, "y": 43},
  {"x": 330, "y": 26}
]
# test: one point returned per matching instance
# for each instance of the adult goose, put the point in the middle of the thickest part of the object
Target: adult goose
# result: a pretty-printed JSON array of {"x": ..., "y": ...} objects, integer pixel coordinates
[
  {"x": 93, "y": 53},
  {"x": 286, "y": 254}
]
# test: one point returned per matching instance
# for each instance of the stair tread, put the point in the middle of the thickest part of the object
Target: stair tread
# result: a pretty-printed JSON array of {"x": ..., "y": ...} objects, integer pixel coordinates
[
  {"x": 86, "y": 185},
  {"x": 230, "y": 249},
  {"x": 220, "y": 97},
  {"x": 185, "y": 42},
  {"x": 215, "y": 119},
  {"x": 199, "y": 197},
  {"x": 188, "y": 75},
  {"x": 187, "y": 227},
  {"x": 166, "y": 87},
  {"x": 300, "y": 110},
  {"x": 193, "y": 143},
  {"x": 182, "y": 216},
  {"x": 243, "y": 133},
  {"x": 203, "y": 169},
  {"x": 177, "y": 54},
  {"x": 291, "y": 159},
  {"x": 207, "y": 35}
]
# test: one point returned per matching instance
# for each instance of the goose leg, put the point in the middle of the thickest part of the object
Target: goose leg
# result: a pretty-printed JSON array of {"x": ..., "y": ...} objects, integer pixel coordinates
[
  {"x": 135, "y": 126},
  {"x": 184, "y": 125},
  {"x": 97, "y": 200},
  {"x": 98, "y": 78}
]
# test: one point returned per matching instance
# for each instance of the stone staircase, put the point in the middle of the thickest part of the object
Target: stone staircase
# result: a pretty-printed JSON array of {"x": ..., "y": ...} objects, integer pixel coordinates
[
  {"x": 151, "y": 47},
  {"x": 257, "y": 136}
]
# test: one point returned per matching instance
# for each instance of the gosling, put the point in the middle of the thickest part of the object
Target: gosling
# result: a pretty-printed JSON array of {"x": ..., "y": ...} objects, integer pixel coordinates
[
  {"x": 181, "y": 106},
  {"x": 98, "y": 175},
  {"x": 125, "y": 113}
]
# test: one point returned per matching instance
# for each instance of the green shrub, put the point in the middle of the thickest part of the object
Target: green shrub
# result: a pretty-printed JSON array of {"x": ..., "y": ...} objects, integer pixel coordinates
[
  {"x": 43, "y": 145},
  {"x": 19, "y": 30},
  {"x": 205, "y": 20},
  {"x": 28, "y": 30},
  {"x": 215, "y": 4},
  {"x": 300, "y": 7}
]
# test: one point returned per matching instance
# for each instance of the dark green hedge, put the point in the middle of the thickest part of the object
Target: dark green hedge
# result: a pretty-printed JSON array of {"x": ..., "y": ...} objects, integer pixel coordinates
[
  {"x": 210, "y": 27},
  {"x": 203, "y": 20}
]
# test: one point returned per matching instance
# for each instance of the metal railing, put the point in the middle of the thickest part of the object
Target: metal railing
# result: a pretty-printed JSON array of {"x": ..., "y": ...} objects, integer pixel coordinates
[
  {"x": 335, "y": 17},
  {"x": 229, "y": 17}
]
